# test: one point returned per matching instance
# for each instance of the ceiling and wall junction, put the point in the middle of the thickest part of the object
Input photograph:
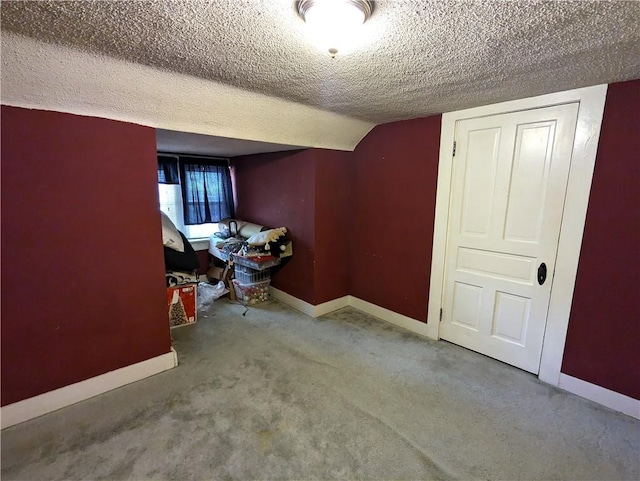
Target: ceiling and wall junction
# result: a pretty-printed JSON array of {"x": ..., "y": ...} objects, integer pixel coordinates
[{"x": 246, "y": 69}]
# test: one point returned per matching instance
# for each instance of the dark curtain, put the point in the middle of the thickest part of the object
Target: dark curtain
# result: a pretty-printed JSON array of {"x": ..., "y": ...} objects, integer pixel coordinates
[
  {"x": 168, "y": 170},
  {"x": 206, "y": 191}
]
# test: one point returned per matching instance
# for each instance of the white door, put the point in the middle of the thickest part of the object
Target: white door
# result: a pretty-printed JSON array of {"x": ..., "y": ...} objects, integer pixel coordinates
[{"x": 508, "y": 187}]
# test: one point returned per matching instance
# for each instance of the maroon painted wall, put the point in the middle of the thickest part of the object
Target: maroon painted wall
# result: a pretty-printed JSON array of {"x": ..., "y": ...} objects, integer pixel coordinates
[
  {"x": 203, "y": 259},
  {"x": 278, "y": 190},
  {"x": 332, "y": 224},
  {"x": 603, "y": 341},
  {"x": 350, "y": 215},
  {"x": 82, "y": 260},
  {"x": 393, "y": 194}
]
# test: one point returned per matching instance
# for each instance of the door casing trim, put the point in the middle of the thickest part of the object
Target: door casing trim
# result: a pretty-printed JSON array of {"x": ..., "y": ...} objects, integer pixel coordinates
[{"x": 591, "y": 109}]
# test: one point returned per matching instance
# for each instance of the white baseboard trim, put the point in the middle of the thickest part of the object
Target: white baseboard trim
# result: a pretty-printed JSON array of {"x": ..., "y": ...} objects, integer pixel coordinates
[
  {"x": 21, "y": 411},
  {"x": 373, "y": 309},
  {"x": 601, "y": 395},
  {"x": 330, "y": 306},
  {"x": 392, "y": 317},
  {"x": 305, "y": 307},
  {"x": 289, "y": 300}
]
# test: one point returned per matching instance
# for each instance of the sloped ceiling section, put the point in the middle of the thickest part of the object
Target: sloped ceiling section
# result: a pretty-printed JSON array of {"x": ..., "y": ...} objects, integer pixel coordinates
[
  {"x": 412, "y": 58},
  {"x": 186, "y": 143},
  {"x": 50, "y": 77}
]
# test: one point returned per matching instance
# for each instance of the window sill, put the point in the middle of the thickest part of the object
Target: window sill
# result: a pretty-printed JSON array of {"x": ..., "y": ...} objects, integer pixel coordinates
[{"x": 200, "y": 244}]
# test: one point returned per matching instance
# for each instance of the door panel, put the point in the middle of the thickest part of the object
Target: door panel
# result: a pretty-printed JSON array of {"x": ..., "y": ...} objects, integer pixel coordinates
[
  {"x": 513, "y": 268},
  {"x": 511, "y": 315},
  {"x": 508, "y": 187},
  {"x": 479, "y": 182},
  {"x": 529, "y": 178},
  {"x": 467, "y": 300}
]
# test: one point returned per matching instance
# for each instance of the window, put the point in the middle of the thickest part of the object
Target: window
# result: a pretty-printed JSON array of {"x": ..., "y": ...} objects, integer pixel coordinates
[{"x": 195, "y": 192}]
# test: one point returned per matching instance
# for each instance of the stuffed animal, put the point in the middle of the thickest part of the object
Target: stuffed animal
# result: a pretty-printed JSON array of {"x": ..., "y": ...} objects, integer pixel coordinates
[
  {"x": 272, "y": 240},
  {"x": 277, "y": 247},
  {"x": 266, "y": 236}
]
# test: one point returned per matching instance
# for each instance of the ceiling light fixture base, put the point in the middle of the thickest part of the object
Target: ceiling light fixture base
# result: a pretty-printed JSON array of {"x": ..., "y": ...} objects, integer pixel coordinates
[
  {"x": 366, "y": 6},
  {"x": 333, "y": 24}
]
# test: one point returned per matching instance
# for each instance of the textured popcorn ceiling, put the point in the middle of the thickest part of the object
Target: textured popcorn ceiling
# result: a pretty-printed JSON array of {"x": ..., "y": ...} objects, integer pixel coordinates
[{"x": 412, "y": 58}]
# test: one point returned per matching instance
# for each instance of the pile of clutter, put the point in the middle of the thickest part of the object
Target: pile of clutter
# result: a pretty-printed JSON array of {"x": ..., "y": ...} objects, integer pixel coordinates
[
  {"x": 249, "y": 251},
  {"x": 268, "y": 242}
]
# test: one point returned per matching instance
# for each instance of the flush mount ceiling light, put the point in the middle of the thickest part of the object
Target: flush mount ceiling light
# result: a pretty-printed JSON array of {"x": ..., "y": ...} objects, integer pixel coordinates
[{"x": 333, "y": 23}]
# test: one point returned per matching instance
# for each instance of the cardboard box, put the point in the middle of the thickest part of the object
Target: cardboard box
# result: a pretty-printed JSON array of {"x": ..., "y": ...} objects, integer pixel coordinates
[
  {"x": 181, "y": 302},
  {"x": 215, "y": 274}
]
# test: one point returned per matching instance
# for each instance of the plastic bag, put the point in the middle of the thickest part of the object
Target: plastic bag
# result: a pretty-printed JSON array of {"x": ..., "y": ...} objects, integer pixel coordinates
[{"x": 207, "y": 293}]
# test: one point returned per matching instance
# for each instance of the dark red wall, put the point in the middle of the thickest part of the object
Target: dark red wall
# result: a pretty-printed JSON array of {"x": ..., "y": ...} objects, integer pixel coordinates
[
  {"x": 203, "y": 259},
  {"x": 393, "y": 194},
  {"x": 603, "y": 341},
  {"x": 361, "y": 222},
  {"x": 82, "y": 260},
  {"x": 307, "y": 192},
  {"x": 278, "y": 190},
  {"x": 332, "y": 224}
]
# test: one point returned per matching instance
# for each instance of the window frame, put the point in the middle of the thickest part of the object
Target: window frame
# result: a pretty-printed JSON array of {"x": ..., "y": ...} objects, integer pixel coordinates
[{"x": 198, "y": 242}]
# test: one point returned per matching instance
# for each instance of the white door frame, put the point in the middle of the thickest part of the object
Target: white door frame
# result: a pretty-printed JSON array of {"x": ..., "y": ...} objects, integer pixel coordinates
[{"x": 585, "y": 146}]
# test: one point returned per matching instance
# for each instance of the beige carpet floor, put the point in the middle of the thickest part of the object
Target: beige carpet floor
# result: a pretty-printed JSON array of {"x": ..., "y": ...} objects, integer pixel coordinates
[{"x": 276, "y": 394}]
